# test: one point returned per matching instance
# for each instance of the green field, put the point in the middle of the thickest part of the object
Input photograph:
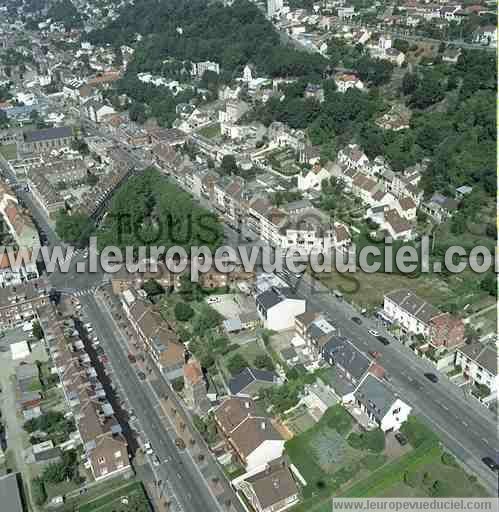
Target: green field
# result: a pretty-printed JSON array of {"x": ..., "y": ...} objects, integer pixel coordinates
[
  {"x": 9, "y": 151},
  {"x": 423, "y": 472},
  {"x": 113, "y": 502},
  {"x": 211, "y": 132}
]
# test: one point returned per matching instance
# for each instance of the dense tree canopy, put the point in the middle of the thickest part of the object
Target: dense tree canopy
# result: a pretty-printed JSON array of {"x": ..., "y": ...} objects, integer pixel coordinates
[
  {"x": 231, "y": 36},
  {"x": 151, "y": 211}
]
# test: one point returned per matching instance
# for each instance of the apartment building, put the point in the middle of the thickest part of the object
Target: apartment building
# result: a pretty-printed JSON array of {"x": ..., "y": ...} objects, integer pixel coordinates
[
  {"x": 479, "y": 365},
  {"x": 415, "y": 316},
  {"x": 17, "y": 220},
  {"x": 105, "y": 448},
  {"x": 46, "y": 195},
  {"x": 159, "y": 340}
]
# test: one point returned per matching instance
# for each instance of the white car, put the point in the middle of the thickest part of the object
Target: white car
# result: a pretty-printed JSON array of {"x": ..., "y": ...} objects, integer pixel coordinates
[
  {"x": 213, "y": 300},
  {"x": 373, "y": 332},
  {"x": 156, "y": 461}
]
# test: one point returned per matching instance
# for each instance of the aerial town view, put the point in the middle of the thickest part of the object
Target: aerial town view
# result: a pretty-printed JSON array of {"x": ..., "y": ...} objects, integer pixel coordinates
[{"x": 247, "y": 255}]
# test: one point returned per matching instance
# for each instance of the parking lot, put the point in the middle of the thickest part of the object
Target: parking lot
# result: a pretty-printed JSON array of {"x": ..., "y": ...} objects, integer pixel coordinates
[{"x": 231, "y": 305}]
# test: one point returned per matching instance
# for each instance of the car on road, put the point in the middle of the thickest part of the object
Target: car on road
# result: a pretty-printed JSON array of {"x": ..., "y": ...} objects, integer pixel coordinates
[
  {"x": 141, "y": 375},
  {"x": 383, "y": 340},
  {"x": 155, "y": 460},
  {"x": 402, "y": 440},
  {"x": 431, "y": 377},
  {"x": 374, "y": 354},
  {"x": 374, "y": 333},
  {"x": 357, "y": 320},
  {"x": 491, "y": 463}
]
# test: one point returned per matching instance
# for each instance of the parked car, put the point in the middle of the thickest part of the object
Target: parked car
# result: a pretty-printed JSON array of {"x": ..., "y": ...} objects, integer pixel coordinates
[
  {"x": 374, "y": 333},
  {"x": 431, "y": 377},
  {"x": 401, "y": 438},
  {"x": 491, "y": 463},
  {"x": 155, "y": 460},
  {"x": 132, "y": 358},
  {"x": 179, "y": 442},
  {"x": 357, "y": 320},
  {"x": 383, "y": 340},
  {"x": 141, "y": 375}
]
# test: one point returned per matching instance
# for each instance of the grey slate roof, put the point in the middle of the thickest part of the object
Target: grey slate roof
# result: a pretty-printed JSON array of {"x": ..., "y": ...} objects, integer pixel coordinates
[
  {"x": 242, "y": 380},
  {"x": 375, "y": 396},
  {"x": 342, "y": 353},
  {"x": 413, "y": 304},
  {"x": 483, "y": 355},
  {"x": 273, "y": 296},
  {"x": 48, "y": 134},
  {"x": 10, "y": 497}
]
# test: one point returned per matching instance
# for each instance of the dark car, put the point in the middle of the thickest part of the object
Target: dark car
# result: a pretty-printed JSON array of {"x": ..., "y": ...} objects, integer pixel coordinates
[
  {"x": 357, "y": 320},
  {"x": 401, "y": 438},
  {"x": 383, "y": 340},
  {"x": 431, "y": 377},
  {"x": 141, "y": 375},
  {"x": 491, "y": 463}
]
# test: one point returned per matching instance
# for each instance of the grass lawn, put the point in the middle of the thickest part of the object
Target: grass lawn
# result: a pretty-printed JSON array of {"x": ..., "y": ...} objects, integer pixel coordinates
[
  {"x": 322, "y": 451},
  {"x": 211, "y": 131},
  {"x": 9, "y": 151},
  {"x": 137, "y": 500},
  {"x": 60, "y": 489},
  {"x": 249, "y": 351}
]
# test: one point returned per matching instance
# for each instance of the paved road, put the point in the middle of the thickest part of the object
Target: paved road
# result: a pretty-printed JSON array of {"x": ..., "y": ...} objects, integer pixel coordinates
[
  {"x": 177, "y": 467},
  {"x": 468, "y": 429}
]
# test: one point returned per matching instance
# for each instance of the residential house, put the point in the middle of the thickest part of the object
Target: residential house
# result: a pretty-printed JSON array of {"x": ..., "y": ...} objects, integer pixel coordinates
[
  {"x": 195, "y": 387},
  {"x": 416, "y": 316},
  {"x": 46, "y": 195},
  {"x": 18, "y": 305},
  {"x": 397, "y": 226},
  {"x": 383, "y": 407},
  {"x": 353, "y": 157},
  {"x": 161, "y": 341},
  {"x": 253, "y": 439},
  {"x": 17, "y": 220},
  {"x": 345, "y": 81},
  {"x": 478, "y": 362},
  {"x": 271, "y": 488},
  {"x": 351, "y": 365},
  {"x": 250, "y": 381},
  {"x": 315, "y": 330},
  {"x": 278, "y": 308},
  {"x": 440, "y": 207},
  {"x": 313, "y": 179},
  {"x": 451, "y": 55},
  {"x": 315, "y": 92},
  {"x": 486, "y": 35}
]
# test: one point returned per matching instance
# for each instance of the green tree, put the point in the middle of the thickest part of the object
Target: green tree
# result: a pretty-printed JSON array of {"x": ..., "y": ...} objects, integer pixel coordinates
[
  {"x": 183, "y": 312},
  {"x": 228, "y": 165},
  {"x": 37, "y": 330},
  {"x": 152, "y": 287},
  {"x": 263, "y": 362},
  {"x": 236, "y": 364},
  {"x": 75, "y": 228},
  {"x": 38, "y": 491}
]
